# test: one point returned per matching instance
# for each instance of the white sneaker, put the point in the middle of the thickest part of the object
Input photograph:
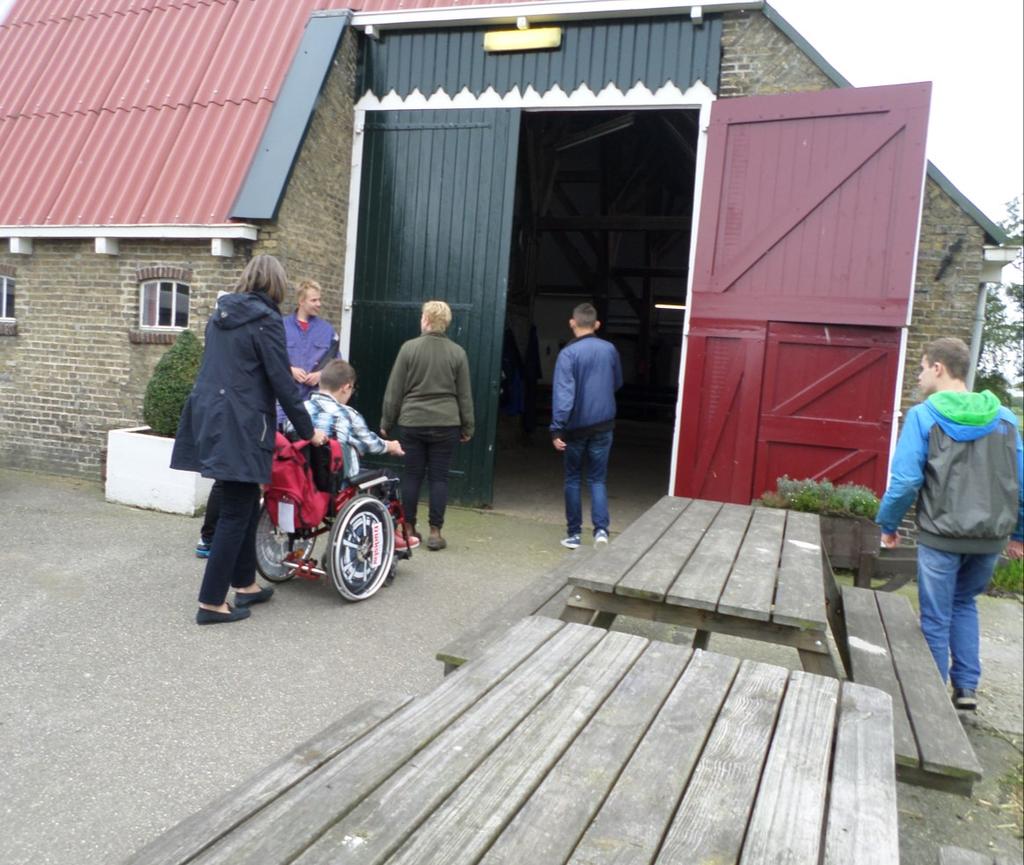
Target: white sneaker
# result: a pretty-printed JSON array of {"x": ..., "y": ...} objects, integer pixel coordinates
[
  {"x": 600, "y": 537},
  {"x": 571, "y": 542}
]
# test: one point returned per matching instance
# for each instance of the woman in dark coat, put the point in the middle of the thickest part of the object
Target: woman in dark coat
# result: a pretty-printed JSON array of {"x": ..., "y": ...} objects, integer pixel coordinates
[{"x": 227, "y": 429}]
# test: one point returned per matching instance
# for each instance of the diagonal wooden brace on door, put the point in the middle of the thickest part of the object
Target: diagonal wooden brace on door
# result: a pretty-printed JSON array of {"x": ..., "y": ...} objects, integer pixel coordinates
[{"x": 814, "y": 197}]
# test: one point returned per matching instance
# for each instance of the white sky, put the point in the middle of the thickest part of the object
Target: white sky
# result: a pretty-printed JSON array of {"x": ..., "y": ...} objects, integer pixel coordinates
[{"x": 971, "y": 51}]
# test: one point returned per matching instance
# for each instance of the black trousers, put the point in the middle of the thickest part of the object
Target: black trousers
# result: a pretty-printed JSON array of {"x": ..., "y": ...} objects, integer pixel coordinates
[
  {"x": 232, "y": 560},
  {"x": 428, "y": 452}
]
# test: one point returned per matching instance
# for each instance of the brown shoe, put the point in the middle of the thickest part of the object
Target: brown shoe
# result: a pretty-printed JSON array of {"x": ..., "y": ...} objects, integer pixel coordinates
[{"x": 435, "y": 541}]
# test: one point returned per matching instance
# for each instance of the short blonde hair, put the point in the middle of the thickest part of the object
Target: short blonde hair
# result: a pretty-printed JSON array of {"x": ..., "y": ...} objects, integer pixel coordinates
[
  {"x": 438, "y": 315},
  {"x": 304, "y": 288}
]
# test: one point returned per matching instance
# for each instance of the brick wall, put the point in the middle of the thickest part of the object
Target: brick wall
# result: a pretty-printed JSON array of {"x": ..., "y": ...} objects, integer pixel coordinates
[
  {"x": 309, "y": 234},
  {"x": 758, "y": 59},
  {"x": 72, "y": 372}
]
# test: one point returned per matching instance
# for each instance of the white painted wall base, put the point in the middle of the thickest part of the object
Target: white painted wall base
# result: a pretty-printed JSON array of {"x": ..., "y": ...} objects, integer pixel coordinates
[{"x": 139, "y": 474}]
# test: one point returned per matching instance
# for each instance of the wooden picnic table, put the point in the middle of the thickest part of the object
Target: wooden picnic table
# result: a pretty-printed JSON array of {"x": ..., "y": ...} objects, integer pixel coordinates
[
  {"x": 568, "y": 743},
  {"x": 746, "y": 571}
]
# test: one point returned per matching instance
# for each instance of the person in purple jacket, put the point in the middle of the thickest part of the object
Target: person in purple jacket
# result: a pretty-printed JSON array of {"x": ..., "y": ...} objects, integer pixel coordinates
[{"x": 310, "y": 340}]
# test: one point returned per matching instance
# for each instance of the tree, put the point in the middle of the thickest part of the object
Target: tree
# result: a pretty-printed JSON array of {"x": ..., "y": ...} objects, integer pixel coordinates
[{"x": 1001, "y": 348}]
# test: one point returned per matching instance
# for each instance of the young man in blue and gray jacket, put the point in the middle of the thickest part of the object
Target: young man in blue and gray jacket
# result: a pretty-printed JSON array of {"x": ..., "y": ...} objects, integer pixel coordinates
[
  {"x": 587, "y": 374},
  {"x": 959, "y": 457}
]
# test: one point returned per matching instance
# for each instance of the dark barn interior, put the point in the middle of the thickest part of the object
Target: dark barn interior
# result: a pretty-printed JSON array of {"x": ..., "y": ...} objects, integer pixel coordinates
[{"x": 604, "y": 203}]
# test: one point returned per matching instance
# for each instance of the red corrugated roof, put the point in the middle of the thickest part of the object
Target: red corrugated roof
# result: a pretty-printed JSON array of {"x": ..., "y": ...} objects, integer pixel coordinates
[
  {"x": 137, "y": 111},
  {"x": 412, "y": 5},
  {"x": 366, "y": 6}
]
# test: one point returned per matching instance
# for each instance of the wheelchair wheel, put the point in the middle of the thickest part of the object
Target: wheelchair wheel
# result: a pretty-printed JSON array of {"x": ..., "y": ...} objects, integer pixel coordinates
[
  {"x": 361, "y": 549},
  {"x": 273, "y": 547}
]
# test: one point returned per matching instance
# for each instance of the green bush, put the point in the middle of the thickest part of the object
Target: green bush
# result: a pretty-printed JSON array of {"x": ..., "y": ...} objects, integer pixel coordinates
[
  {"x": 1009, "y": 576},
  {"x": 171, "y": 384},
  {"x": 822, "y": 497}
]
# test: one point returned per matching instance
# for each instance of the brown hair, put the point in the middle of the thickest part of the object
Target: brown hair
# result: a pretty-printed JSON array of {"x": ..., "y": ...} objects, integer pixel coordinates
[
  {"x": 585, "y": 315},
  {"x": 952, "y": 353},
  {"x": 336, "y": 375},
  {"x": 438, "y": 315},
  {"x": 264, "y": 273},
  {"x": 304, "y": 288}
]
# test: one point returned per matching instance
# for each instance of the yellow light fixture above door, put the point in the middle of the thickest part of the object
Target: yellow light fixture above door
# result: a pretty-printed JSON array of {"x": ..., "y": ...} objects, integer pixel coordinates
[{"x": 534, "y": 39}]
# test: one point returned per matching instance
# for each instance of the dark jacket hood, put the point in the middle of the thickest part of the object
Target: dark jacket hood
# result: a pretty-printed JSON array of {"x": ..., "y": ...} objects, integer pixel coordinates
[{"x": 234, "y": 310}]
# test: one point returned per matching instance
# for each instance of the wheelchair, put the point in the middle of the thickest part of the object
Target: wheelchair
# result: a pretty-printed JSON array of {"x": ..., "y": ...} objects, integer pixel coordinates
[{"x": 362, "y": 520}]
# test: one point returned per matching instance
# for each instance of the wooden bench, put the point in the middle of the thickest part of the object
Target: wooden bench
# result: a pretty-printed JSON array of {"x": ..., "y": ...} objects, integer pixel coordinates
[
  {"x": 545, "y": 596},
  {"x": 881, "y": 644},
  {"x": 959, "y": 856}
]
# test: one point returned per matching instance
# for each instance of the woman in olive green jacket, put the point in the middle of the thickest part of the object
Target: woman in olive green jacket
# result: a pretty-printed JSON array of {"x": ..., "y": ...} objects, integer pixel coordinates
[{"x": 430, "y": 398}]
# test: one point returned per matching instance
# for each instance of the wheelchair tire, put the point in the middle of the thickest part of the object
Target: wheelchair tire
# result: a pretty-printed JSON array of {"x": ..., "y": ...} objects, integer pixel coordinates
[
  {"x": 272, "y": 549},
  {"x": 361, "y": 549}
]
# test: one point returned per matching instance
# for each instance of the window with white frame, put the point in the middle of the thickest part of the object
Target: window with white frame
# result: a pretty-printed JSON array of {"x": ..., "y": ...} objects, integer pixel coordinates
[
  {"x": 163, "y": 304},
  {"x": 7, "y": 297}
]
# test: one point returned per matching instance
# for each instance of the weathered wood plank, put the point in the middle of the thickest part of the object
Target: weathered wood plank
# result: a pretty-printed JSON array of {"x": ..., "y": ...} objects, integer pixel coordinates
[
  {"x": 632, "y": 821},
  {"x": 579, "y": 665},
  {"x": 871, "y": 664},
  {"x": 862, "y": 827},
  {"x": 704, "y": 620},
  {"x": 751, "y": 585},
  {"x": 465, "y": 825},
  {"x": 941, "y": 739},
  {"x": 553, "y": 608},
  {"x": 711, "y": 821},
  {"x": 702, "y": 579},
  {"x": 800, "y": 593},
  {"x": 656, "y": 571},
  {"x": 959, "y": 856},
  {"x": 194, "y": 834},
  {"x": 533, "y": 599},
  {"x": 604, "y": 571},
  {"x": 786, "y": 825},
  {"x": 548, "y": 826},
  {"x": 287, "y": 825}
]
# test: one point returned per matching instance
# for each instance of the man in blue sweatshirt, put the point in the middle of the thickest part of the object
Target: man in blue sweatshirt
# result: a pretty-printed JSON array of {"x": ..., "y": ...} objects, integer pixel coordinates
[
  {"x": 959, "y": 457},
  {"x": 587, "y": 374}
]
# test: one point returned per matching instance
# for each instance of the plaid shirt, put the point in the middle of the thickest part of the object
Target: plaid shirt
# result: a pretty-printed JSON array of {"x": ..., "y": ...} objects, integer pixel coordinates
[{"x": 347, "y": 426}]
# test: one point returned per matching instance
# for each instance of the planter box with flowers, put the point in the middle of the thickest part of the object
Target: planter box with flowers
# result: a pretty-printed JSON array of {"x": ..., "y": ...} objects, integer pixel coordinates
[
  {"x": 138, "y": 458},
  {"x": 847, "y": 512}
]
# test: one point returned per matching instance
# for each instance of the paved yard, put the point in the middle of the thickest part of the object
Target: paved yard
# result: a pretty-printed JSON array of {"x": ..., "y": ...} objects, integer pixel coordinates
[{"x": 119, "y": 716}]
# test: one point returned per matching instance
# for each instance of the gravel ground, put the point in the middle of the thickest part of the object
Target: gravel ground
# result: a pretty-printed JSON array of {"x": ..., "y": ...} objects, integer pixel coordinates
[{"x": 119, "y": 717}]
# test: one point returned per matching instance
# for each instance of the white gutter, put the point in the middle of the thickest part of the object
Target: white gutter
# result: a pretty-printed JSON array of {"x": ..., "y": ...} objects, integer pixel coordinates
[
  {"x": 237, "y": 230},
  {"x": 559, "y": 10}
]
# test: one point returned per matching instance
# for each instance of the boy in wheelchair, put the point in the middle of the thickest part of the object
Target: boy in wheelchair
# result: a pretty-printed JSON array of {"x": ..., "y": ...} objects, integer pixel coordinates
[
  {"x": 367, "y": 529},
  {"x": 330, "y": 412}
]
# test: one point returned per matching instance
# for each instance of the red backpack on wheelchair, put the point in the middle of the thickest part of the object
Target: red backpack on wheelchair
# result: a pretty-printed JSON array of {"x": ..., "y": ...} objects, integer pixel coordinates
[{"x": 305, "y": 479}]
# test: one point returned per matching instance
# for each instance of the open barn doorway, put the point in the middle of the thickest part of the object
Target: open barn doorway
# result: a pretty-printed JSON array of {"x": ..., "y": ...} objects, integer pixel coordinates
[{"x": 604, "y": 203}]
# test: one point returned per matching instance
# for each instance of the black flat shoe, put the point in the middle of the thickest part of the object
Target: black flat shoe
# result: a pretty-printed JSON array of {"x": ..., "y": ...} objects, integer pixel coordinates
[
  {"x": 214, "y": 617},
  {"x": 247, "y": 599}
]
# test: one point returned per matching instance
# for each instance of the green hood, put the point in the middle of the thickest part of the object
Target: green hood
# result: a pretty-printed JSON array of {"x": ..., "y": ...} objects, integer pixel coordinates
[{"x": 963, "y": 407}]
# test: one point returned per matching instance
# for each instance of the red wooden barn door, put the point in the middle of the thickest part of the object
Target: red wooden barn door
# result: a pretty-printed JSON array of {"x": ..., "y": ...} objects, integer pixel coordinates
[
  {"x": 826, "y": 404},
  {"x": 721, "y": 391},
  {"x": 809, "y": 214}
]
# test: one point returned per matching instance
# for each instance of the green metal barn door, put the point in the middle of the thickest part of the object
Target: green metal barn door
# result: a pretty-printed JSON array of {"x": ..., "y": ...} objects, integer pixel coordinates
[{"x": 435, "y": 222}]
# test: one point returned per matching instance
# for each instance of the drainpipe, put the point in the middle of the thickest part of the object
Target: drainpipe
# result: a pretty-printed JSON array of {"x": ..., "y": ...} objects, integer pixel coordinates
[{"x": 979, "y": 323}]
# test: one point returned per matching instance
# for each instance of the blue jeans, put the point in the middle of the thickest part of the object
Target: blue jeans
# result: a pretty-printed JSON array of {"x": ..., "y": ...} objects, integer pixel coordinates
[
  {"x": 947, "y": 584},
  {"x": 596, "y": 449}
]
